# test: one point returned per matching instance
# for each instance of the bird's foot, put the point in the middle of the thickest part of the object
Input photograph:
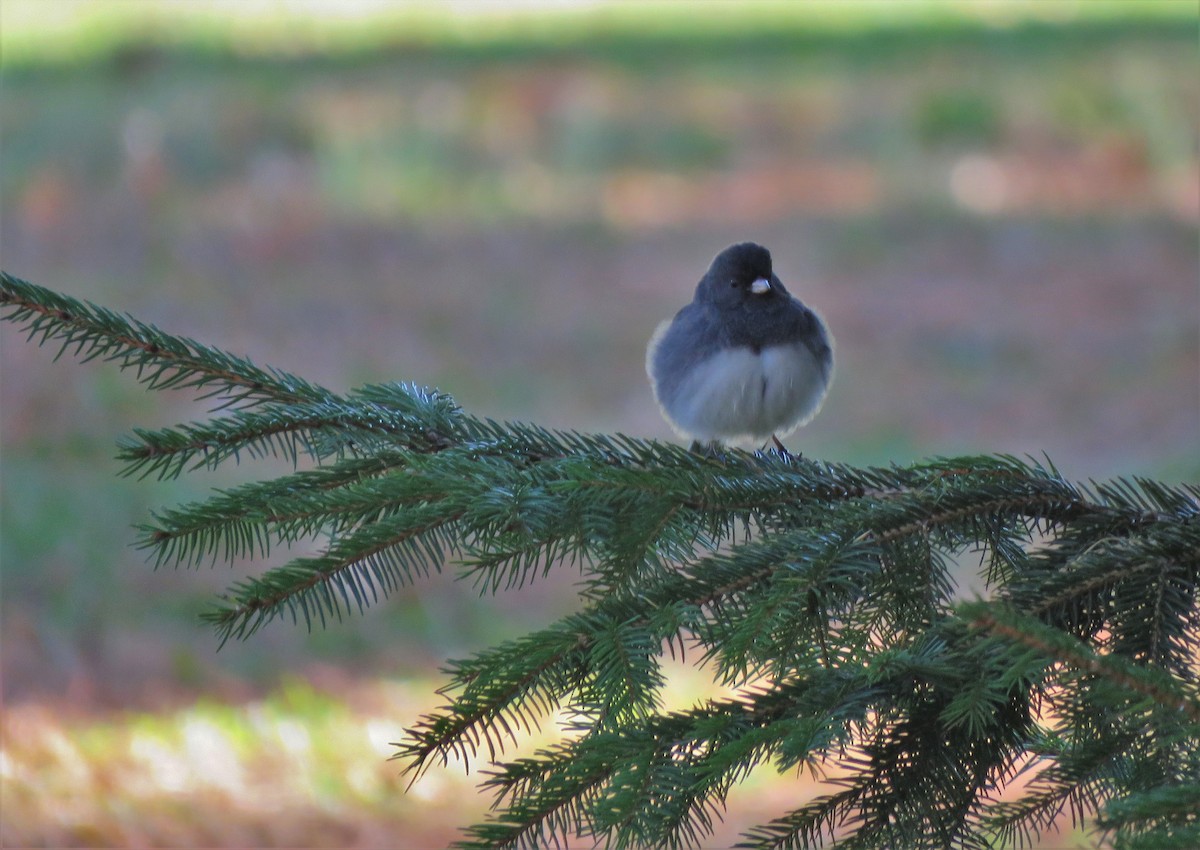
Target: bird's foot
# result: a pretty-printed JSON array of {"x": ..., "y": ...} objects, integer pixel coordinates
[
  {"x": 782, "y": 451},
  {"x": 712, "y": 450}
]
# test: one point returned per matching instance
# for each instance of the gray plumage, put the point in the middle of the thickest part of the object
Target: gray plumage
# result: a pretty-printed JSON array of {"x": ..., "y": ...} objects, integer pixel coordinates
[{"x": 745, "y": 360}]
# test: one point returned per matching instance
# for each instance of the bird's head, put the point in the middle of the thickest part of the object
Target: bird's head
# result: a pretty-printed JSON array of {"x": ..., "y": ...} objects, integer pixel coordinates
[{"x": 740, "y": 275}]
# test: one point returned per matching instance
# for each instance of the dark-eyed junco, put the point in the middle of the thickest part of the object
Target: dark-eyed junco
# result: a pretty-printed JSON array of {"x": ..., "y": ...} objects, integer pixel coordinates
[{"x": 745, "y": 361}]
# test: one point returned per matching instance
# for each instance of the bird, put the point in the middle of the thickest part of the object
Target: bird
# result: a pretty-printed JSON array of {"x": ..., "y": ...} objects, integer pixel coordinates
[{"x": 745, "y": 361}]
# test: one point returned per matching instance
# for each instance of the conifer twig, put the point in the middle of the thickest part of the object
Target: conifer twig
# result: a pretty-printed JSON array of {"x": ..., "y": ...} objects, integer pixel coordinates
[
  {"x": 160, "y": 360},
  {"x": 820, "y": 595},
  {"x": 1055, "y": 645}
]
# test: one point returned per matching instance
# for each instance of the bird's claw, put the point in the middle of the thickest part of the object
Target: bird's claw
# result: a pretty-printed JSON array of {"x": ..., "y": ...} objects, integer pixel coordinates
[{"x": 782, "y": 451}]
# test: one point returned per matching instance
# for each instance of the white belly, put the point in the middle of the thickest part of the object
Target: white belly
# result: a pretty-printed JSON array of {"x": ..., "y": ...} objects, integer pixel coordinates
[{"x": 738, "y": 396}]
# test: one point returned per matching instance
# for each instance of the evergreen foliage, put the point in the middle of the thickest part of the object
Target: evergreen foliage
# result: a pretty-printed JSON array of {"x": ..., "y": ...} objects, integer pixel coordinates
[{"x": 820, "y": 593}]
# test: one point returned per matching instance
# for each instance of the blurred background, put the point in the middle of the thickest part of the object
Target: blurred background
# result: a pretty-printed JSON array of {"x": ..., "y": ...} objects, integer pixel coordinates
[{"x": 994, "y": 205}]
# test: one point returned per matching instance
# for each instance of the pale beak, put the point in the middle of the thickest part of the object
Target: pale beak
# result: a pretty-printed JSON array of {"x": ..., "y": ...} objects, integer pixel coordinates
[{"x": 760, "y": 286}]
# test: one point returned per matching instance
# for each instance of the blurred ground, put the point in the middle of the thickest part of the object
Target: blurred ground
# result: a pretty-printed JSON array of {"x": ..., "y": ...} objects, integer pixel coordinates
[{"x": 998, "y": 221}]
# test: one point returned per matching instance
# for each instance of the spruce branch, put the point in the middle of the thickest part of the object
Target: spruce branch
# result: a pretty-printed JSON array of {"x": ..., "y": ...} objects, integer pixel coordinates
[
  {"x": 486, "y": 706},
  {"x": 241, "y": 522},
  {"x": 354, "y": 572},
  {"x": 1149, "y": 682},
  {"x": 821, "y": 595},
  {"x": 1163, "y": 819},
  {"x": 159, "y": 360},
  {"x": 412, "y": 418}
]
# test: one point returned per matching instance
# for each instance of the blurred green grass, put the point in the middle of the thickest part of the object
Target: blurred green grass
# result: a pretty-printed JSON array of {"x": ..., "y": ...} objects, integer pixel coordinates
[
  {"x": 505, "y": 209},
  {"x": 300, "y": 767},
  {"x": 997, "y": 217},
  {"x": 449, "y": 188},
  {"x": 74, "y": 31}
]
